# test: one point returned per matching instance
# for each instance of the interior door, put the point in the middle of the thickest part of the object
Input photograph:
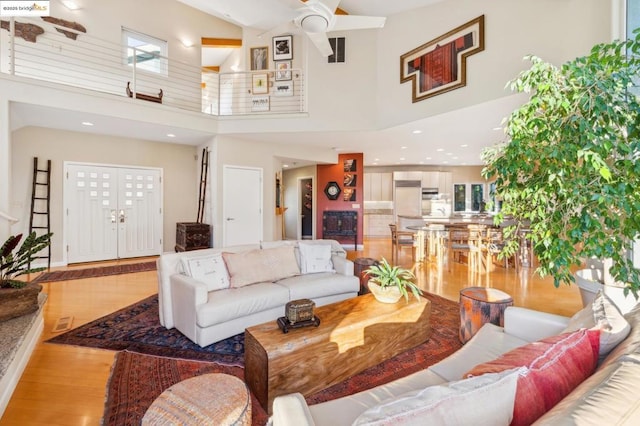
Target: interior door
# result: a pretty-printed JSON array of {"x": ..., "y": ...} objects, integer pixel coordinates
[
  {"x": 92, "y": 205},
  {"x": 139, "y": 212},
  {"x": 306, "y": 208},
  {"x": 242, "y": 205},
  {"x": 112, "y": 212}
]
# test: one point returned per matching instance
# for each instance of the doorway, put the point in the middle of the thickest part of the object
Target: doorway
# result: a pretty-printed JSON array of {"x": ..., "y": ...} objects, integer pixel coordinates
[
  {"x": 242, "y": 205},
  {"x": 112, "y": 212},
  {"x": 305, "y": 195}
]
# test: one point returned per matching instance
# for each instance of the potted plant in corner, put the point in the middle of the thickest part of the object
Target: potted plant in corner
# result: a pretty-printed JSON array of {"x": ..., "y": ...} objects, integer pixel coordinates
[
  {"x": 569, "y": 170},
  {"x": 389, "y": 283},
  {"x": 18, "y": 297}
]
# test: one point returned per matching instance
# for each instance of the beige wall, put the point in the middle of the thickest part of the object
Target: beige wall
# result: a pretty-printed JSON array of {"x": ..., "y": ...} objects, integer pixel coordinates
[
  {"x": 292, "y": 202},
  {"x": 178, "y": 163},
  {"x": 458, "y": 173}
]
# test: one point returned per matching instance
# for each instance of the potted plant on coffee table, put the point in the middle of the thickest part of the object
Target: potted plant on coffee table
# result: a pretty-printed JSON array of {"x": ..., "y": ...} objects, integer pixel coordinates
[
  {"x": 389, "y": 283},
  {"x": 18, "y": 297}
]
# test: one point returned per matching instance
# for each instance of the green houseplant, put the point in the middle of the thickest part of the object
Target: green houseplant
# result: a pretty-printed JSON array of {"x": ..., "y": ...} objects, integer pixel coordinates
[
  {"x": 18, "y": 297},
  {"x": 389, "y": 283},
  {"x": 569, "y": 169}
]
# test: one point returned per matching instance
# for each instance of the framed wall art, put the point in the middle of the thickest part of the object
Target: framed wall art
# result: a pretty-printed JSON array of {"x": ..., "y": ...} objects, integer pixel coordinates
[
  {"x": 283, "y": 48},
  {"x": 440, "y": 65},
  {"x": 283, "y": 71},
  {"x": 259, "y": 58},
  {"x": 260, "y": 104},
  {"x": 283, "y": 88},
  {"x": 260, "y": 84}
]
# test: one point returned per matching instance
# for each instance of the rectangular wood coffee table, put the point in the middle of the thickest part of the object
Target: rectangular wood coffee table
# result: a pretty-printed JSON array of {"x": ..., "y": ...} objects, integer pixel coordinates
[{"x": 353, "y": 335}]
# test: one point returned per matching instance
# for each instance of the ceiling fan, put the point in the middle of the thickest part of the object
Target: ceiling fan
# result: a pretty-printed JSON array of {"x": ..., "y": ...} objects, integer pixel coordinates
[{"x": 317, "y": 17}]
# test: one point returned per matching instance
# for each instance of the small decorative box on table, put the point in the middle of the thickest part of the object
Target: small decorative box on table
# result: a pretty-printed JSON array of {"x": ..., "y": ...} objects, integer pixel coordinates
[
  {"x": 298, "y": 313},
  {"x": 192, "y": 236}
]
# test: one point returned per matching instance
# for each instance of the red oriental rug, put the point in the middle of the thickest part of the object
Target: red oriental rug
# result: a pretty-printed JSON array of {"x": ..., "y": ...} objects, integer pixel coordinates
[
  {"x": 98, "y": 271},
  {"x": 137, "y": 379}
]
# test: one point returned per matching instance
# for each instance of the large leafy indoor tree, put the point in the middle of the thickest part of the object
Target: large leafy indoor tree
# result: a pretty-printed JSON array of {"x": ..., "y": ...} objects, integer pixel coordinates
[{"x": 569, "y": 170}]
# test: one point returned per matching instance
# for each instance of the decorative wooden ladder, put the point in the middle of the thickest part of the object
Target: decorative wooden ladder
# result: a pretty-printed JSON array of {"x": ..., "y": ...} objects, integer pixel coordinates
[
  {"x": 204, "y": 171},
  {"x": 40, "y": 220}
]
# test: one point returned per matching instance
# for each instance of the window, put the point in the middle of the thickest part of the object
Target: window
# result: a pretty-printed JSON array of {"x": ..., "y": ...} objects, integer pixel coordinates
[
  {"x": 468, "y": 197},
  {"x": 337, "y": 45},
  {"x": 146, "y": 52}
]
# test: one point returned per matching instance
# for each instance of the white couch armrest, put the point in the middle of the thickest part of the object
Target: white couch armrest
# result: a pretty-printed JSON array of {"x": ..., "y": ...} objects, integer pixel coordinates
[
  {"x": 342, "y": 265},
  {"x": 531, "y": 325},
  {"x": 186, "y": 293},
  {"x": 291, "y": 410}
]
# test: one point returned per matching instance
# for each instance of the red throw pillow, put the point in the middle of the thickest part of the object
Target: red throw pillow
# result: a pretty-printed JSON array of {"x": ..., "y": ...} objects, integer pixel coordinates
[{"x": 556, "y": 365}]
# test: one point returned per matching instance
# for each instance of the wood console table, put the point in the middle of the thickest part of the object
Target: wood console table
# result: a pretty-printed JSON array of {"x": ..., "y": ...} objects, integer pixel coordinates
[
  {"x": 353, "y": 335},
  {"x": 339, "y": 223}
]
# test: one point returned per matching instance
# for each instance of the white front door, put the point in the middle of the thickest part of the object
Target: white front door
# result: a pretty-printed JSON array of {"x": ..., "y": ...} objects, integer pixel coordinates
[
  {"x": 112, "y": 212},
  {"x": 242, "y": 205}
]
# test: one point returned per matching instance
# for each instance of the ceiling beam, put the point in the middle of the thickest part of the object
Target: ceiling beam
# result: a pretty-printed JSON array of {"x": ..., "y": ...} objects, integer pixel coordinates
[{"x": 221, "y": 42}]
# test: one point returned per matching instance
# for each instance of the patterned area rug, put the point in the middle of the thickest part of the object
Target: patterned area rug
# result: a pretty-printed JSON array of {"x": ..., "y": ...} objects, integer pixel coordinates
[
  {"x": 137, "y": 378},
  {"x": 100, "y": 271},
  {"x": 137, "y": 328}
]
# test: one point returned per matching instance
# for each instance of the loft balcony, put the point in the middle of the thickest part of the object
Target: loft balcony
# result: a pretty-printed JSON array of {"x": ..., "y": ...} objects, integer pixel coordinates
[{"x": 35, "y": 49}]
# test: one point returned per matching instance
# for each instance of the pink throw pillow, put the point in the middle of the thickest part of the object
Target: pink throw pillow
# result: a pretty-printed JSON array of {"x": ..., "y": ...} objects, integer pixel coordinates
[{"x": 556, "y": 366}]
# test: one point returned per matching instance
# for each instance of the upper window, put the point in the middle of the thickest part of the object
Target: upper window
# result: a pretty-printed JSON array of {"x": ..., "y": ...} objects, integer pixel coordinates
[{"x": 146, "y": 52}]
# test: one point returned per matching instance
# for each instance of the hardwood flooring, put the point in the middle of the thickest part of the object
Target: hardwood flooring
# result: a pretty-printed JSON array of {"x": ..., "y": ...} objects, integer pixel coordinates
[{"x": 65, "y": 385}]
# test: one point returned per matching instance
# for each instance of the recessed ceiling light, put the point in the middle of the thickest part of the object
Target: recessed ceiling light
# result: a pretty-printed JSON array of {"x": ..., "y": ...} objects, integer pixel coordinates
[
  {"x": 440, "y": 149},
  {"x": 402, "y": 158},
  {"x": 497, "y": 128},
  {"x": 420, "y": 162},
  {"x": 464, "y": 145},
  {"x": 71, "y": 5},
  {"x": 455, "y": 158},
  {"x": 87, "y": 123},
  {"x": 285, "y": 165},
  {"x": 417, "y": 132},
  {"x": 375, "y": 164},
  {"x": 427, "y": 158},
  {"x": 445, "y": 162},
  {"x": 403, "y": 147},
  {"x": 449, "y": 153},
  {"x": 171, "y": 135},
  {"x": 377, "y": 159}
]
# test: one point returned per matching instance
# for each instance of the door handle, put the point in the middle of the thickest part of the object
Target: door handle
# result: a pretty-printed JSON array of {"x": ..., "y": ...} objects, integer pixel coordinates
[
  {"x": 231, "y": 218},
  {"x": 113, "y": 216},
  {"x": 122, "y": 216}
]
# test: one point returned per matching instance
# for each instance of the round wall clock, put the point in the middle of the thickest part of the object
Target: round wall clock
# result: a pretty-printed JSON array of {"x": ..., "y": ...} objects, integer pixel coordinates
[{"x": 332, "y": 190}]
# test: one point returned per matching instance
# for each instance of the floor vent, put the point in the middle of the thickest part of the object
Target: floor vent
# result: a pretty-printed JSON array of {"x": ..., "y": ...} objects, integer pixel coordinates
[{"x": 62, "y": 324}]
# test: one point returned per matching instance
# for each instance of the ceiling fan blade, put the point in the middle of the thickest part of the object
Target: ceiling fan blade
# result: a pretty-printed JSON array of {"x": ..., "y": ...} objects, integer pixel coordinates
[
  {"x": 355, "y": 22},
  {"x": 321, "y": 42},
  {"x": 332, "y": 5}
]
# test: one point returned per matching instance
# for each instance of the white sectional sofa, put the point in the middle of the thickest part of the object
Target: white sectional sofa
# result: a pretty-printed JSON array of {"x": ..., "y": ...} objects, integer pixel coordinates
[
  {"x": 212, "y": 294},
  {"x": 520, "y": 380}
]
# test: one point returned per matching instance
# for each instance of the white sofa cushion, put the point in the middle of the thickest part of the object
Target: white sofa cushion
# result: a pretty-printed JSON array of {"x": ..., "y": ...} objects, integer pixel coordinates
[
  {"x": 602, "y": 314},
  {"x": 484, "y": 400},
  {"x": 262, "y": 265},
  {"x": 225, "y": 305},
  {"x": 311, "y": 286},
  {"x": 209, "y": 269},
  {"x": 488, "y": 343},
  {"x": 315, "y": 258}
]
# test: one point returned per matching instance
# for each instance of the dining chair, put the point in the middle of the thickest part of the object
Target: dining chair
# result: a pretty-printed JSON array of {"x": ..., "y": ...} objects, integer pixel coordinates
[
  {"x": 400, "y": 239},
  {"x": 492, "y": 244},
  {"x": 466, "y": 240}
]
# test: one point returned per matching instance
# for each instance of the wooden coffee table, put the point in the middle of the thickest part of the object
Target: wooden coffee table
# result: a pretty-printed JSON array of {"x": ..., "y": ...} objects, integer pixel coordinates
[{"x": 353, "y": 335}]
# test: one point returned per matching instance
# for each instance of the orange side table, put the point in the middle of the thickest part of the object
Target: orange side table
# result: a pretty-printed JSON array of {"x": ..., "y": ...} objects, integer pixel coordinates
[{"x": 480, "y": 305}]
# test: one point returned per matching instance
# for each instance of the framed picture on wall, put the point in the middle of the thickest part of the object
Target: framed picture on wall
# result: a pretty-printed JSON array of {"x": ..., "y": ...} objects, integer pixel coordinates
[
  {"x": 350, "y": 165},
  {"x": 283, "y": 70},
  {"x": 260, "y": 84},
  {"x": 350, "y": 179},
  {"x": 283, "y": 48},
  {"x": 259, "y": 58},
  {"x": 349, "y": 194}
]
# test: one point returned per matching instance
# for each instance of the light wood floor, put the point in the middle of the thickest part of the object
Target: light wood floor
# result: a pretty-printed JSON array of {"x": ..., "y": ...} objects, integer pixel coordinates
[{"x": 65, "y": 385}]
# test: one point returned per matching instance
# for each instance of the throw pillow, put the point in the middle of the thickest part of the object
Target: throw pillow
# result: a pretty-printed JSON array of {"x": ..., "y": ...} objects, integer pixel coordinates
[
  {"x": 602, "y": 314},
  {"x": 315, "y": 258},
  {"x": 485, "y": 400},
  {"x": 556, "y": 365},
  {"x": 261, "y": 265},
  {"x": 209, "y": 269}
]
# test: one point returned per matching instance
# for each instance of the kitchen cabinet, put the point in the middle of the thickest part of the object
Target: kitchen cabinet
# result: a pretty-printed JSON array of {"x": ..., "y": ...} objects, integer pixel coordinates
[
  {"x": 445, "y": 184},
  {"x": 377, "y": 225},
  {"x": 378, "y": 187},
  {"x": 430, "y": 179}
]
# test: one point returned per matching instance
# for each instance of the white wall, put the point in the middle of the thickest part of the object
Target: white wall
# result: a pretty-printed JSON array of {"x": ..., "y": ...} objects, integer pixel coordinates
[
  {"x": 178, "y": 162},
  {"x": 555, "y": 30}
]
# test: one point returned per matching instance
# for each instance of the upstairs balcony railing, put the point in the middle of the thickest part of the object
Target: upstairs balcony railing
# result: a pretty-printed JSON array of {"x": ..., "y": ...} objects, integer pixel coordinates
[{"x": 41, "y": 50}]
